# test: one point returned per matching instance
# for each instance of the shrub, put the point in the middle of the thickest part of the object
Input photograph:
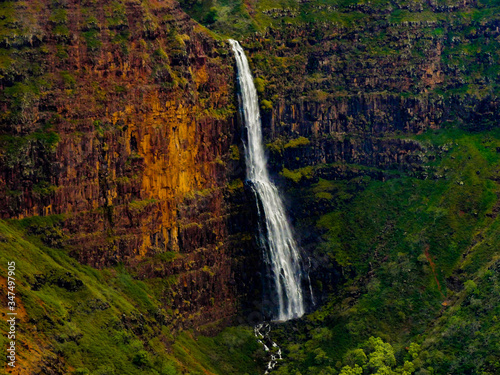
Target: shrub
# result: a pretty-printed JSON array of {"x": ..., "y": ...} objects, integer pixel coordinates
[{"x": 266, "y": 105}]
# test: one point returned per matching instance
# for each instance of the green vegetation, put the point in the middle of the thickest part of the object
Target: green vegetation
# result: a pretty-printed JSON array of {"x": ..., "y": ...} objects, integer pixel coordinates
[
  {"x": 92, "y": 39},
  {"x": 103, "y": 321},
  {"x": 297, "y": 142},
  {"x": 266, "y": 105},
  {"x": 236, "y": 184},
  {"x": 139, "y": 206},
  {"x": 260, "y": 85},
  {"x": 234, "y": 152},
  {"x": 229, "y": 18},
  {"x": 420, "y": 258},
  {"x": 68, "y": 79},
  {"x": 298, "y": 175}
]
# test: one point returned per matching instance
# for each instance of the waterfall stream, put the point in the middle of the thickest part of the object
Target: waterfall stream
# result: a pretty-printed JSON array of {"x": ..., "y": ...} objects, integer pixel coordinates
[
  {"x": 262, "y": 333},
  {"x": 281, "y": 254}
]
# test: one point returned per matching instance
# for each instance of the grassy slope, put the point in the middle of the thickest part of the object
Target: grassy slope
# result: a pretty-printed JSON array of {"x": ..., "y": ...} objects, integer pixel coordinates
[
  {"x": 238, "y": 18},
  {"x": 81, "y": 320},
  {"x": 420, "y": 258}
]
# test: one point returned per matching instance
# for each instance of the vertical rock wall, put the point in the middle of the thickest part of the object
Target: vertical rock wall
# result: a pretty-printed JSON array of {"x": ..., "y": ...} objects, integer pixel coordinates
[{"x": 119, "y": 117}]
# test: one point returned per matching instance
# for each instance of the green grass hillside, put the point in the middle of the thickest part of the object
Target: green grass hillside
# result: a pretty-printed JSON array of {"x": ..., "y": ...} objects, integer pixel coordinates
[
  {"x": 74, "y": 319},
  {"x": 420, "y": 264}
]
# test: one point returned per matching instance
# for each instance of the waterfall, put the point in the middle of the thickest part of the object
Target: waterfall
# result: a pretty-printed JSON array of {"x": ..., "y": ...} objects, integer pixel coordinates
[
  {"x": 281, "y": 253},
  {"x": 262, "y": 332}
]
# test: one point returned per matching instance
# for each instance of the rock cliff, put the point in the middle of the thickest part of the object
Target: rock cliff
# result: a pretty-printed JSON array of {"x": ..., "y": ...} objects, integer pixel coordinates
[{"x": 119, "y": 119}]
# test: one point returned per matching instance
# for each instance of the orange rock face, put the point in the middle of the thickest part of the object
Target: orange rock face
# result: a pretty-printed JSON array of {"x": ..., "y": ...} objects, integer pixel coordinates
[{"x": 140, "y": 100}]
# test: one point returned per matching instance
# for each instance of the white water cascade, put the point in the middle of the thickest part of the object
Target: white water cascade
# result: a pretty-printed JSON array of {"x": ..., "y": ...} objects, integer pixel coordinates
[
  {"x": 262, "y": 332},
  {"x": 281, "y": 255}
]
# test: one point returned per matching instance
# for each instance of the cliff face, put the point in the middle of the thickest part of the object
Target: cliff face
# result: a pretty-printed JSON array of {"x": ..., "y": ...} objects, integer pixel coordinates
[
  {"x": 374, "y": 69},
  {"x": 119, "y": 117},
  {"x": 393, "y": 72},
  {"x": 353, "y": 92},
  {"x": 119, "y": 121},
  {"x": 346, "y": 89}
]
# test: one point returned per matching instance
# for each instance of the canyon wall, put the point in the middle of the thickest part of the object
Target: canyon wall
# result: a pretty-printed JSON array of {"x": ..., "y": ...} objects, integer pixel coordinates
[
  {"x": 357, "y": 79},
  {"x": 119, "y": 124},
  {"x": 353, "y": 92}
]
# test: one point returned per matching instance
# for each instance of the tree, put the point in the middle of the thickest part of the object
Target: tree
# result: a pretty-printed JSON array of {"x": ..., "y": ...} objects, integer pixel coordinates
[
  {"x": 348, "y": 370},
  {"x": 382, "y": 358},
  {"x": 378, "y": 359}
]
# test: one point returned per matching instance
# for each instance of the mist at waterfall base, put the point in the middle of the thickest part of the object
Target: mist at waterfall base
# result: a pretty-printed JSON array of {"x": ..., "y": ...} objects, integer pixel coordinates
[{"x": 285, "y": 276}]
